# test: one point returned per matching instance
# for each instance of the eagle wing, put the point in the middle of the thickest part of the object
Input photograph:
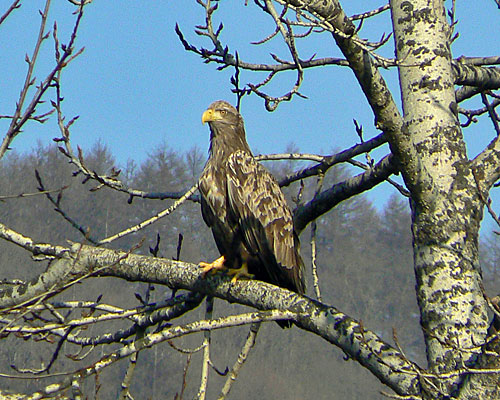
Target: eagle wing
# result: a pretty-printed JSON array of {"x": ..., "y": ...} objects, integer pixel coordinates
[
  {"x": 212, "y": 186},
  {"x": 258, "y": 207}
]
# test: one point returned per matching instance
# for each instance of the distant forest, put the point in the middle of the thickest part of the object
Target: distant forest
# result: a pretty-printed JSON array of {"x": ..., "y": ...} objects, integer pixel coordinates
[{"x": 364, "y": 262}]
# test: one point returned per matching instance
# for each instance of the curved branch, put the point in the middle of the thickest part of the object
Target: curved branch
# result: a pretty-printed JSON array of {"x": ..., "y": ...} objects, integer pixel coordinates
[
  {"x": 329, "y": 198},
  {"x": 389, "y": 365},
  {"x": 387, "y": 116},
  {"x": 329, "y": 161},
  {"x": 366, "y": 347},
  {"x": 466, "y": 92}
]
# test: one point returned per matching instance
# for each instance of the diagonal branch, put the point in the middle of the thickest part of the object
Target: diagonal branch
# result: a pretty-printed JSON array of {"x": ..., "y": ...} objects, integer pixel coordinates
[
  {"x": 250, "y": 342},
  {"x": 329, "y": 198},
  {"x": 387, "y": 116},
  {"x": 487, "y": 164},
  {"x": 20, "y": 117},
  {"x": 80, "y": 261},
  {"x": 326, "y": 321},
  {"x": 329, "y": 161},
  {"x": 13, "y": 6}
]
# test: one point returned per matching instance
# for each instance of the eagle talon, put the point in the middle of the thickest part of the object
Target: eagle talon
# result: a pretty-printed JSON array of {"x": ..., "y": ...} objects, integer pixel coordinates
[
  {"x": 240, "y": 273},
  {"x": 213, "y": 267}
]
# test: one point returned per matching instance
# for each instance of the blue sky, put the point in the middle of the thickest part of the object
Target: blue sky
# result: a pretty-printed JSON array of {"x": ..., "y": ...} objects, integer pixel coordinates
[{"x": 136, "y": 88}]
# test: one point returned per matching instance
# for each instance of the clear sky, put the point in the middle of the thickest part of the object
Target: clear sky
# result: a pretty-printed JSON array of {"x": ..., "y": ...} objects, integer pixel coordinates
[{"x": 136, "y": 88}]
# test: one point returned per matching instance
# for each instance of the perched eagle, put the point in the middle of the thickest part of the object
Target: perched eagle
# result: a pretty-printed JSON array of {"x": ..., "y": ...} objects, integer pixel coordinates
[{"x": 243, "y": 205}]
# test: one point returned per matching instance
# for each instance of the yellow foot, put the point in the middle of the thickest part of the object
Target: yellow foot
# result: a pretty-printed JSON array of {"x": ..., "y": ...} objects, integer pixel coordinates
[
  {"x": 214, "y": 266},
  {"x": 239, "y": 273}
]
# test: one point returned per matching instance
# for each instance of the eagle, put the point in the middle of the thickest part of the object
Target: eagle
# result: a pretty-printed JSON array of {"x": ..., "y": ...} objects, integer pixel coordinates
[{"x": 245, "y": 208}]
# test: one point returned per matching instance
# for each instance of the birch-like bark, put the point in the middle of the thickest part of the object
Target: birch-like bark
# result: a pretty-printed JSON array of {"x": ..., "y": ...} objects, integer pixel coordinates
[
  {"x": 446, "y": 210},
  {"x": 384, "y": 361}
]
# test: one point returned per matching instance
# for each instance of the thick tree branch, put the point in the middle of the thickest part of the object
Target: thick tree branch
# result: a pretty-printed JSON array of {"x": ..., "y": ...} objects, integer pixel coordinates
[
  {"x": 487, "y": 165},
  {"x": 323, "y": 320},
  {"x": 481, "y": 77},
  {"x": 329, "y": 161},
  {"x": 378, "y": 95},
  {"x": 37, "y": 249},
  {"x": 385, "y": 362},
  {"x": 494, "y": 60},
  {"x": 329, "y": 198}
]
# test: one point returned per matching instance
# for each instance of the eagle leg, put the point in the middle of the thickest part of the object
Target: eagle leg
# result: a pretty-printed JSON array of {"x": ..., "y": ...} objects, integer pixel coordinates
[
  {"x": 214, "y": 266},
  {"x": 241, "y": 272}
]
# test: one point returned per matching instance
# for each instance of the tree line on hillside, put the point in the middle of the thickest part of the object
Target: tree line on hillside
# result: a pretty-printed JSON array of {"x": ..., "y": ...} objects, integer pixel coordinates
[{"x": 364, "y": 260}]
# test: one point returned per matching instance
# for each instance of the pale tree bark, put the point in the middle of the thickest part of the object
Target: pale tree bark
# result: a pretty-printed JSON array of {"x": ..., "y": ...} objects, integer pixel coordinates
[
  {"x": 447, "y": 195},
  {"x": 446, "y": 207}
]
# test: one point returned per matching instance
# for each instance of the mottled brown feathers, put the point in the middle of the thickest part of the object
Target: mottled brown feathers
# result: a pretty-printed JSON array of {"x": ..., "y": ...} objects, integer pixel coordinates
[{"x": 244, "y": 206}]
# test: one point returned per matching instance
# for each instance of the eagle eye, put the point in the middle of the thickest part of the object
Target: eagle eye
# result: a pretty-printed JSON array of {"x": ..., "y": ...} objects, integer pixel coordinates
[{"x": 223, "y": 112}]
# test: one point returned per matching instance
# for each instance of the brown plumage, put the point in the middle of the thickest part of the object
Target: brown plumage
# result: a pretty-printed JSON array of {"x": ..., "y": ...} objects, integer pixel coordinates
[{"x": 243, "y": 205}]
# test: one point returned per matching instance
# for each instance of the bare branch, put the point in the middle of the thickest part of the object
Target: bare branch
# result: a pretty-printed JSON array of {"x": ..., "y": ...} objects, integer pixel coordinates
[
  {"x": 369, "y": 14},
  {"x": 12, "y": 132},
  {"x": 27, "y": 195},
  {"x": 81, "y": 2},
  {"x": 491, "y": 112},
  {"x": 470, "y": 75},
  {"x": 471, "y": 114},
  {"x": 85, "y": 231},
  {"x": 242, "y": 357},
  {"x": 155, "y": 338},
  {"x": 329, "y": 161},
  {"x": 287, "y": 33},
  {"x": 153, "y": 219},
  {"x": 20, "y": 118},
  {"x": 29, "y": 244},
  {"x": 495, "y": 60},
  {"x": 228, "y": 59},
  {"x": 308, "y": 314},
  {"x": 327, "y": 199},
  {"x": 466, "y": 92},
  {"x": 487, "y": 164},
  {"x": 16, "y": 4},
  {"x": 319, "y": 186},
  {"x": 486, "y": 201},
  {"x": 202, "y": 391}
]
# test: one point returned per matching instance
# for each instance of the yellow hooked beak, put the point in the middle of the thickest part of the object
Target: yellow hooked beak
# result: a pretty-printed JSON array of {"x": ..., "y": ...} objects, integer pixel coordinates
[{"x": 210, "y": 115}]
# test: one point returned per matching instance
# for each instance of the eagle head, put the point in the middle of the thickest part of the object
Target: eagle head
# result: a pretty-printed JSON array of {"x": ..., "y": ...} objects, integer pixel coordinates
[
  {"x": 227, "y": 129},
  {"x": 220, "y": 113}
]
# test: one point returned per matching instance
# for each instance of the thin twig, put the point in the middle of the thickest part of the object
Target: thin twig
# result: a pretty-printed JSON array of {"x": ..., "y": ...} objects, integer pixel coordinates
[
  {"x": 492, "y": 113},
  {"x": 12, "y": 7},
  {"x": 151, "y": 220},
  {"x": 205, "y": 364},
  {"x": 314, "y": 266},
  {"x": 242, "y": 357},
  {"x": 85, "y": 231},
  {"x": 20, "y": 118},
  {"x": 369, "y": 14},
  {"x": 159, "y": 337},
  {"x": 25, "y": 195}
]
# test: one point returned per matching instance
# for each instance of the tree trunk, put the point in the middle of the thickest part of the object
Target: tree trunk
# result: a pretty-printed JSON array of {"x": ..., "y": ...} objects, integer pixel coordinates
[{"x": 446, "y": 208}]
